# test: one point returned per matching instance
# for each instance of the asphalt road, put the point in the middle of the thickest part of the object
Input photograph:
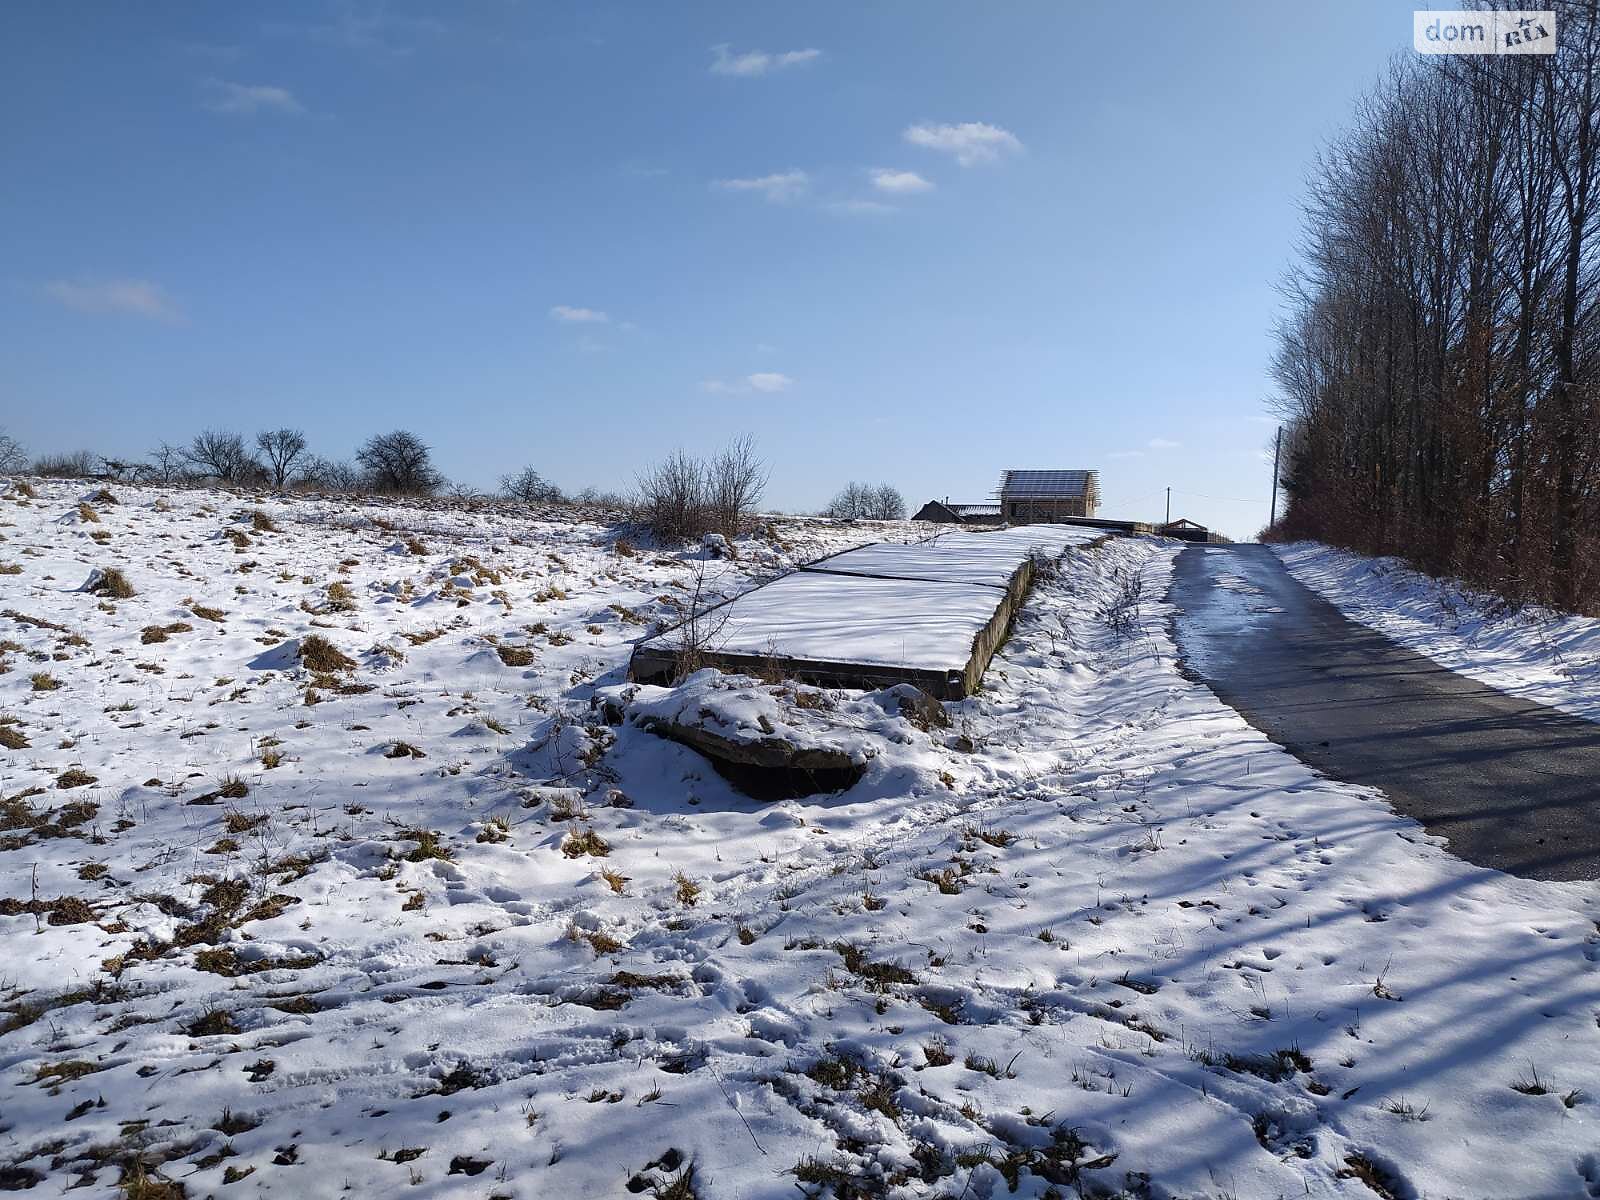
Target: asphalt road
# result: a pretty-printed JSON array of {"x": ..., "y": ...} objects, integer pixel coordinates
[{"x": 1512, "y": 785}]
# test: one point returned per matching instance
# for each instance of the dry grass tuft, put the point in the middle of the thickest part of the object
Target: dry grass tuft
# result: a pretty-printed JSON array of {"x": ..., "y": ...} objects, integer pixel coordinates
[
  {"x": 261, "y": 522},
  {"x": 208, "y": 614},
  {"x": 515, "y": 656},
  {"x": 74, "y": 777},
  {"x": 111, "y": 583},
  {"x": 43, "y": 681},
  {"x": 320, "y": 655},
  {"x": 687, "y": 890},
  {"x": 576, "y": 844},
  {"x": 152, "y": 634}
]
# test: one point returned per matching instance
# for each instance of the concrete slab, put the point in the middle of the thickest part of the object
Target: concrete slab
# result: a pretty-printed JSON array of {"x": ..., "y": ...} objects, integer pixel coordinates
[{"x": 930, "y": 613}]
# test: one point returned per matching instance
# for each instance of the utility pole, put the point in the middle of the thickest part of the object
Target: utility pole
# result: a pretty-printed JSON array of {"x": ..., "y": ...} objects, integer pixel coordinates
[
  {"x": 1169, "y": 506},
  {"x": 1277, "y": 445}
]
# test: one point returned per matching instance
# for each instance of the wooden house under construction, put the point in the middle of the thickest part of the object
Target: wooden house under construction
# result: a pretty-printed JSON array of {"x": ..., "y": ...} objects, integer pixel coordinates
[{"x": 1027, "y": 497}]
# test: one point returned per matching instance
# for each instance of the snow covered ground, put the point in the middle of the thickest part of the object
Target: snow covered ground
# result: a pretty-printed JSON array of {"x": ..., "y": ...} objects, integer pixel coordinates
[
  {"x": 1543, "y": 657},
  {"x": 428, "y": 924}
]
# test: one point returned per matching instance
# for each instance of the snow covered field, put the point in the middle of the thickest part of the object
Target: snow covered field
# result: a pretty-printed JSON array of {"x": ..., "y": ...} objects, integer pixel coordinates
[
  {"x": 402, "y": 913},
  {"x": 1543, "y": 657}
]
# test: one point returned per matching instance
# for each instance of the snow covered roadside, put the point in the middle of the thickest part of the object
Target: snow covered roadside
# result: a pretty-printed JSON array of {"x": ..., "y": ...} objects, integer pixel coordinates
[
  {"x": 1097, "y": 934},
  {"x": 1541, "y": 656}
]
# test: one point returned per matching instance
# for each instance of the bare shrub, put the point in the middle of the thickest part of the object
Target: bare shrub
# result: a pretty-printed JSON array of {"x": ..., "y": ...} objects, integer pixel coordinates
[
  {"x": 672, "y": 497},
  {"x": 79, "y": 464},
  {"x": 682, "y": 497},
  {"x": 527, "y": 486},
  {"x": 1121, "y": 613},
  {"x": 399, "y": 463},
  {"x": 735, "y": 480},
  {"x": 329, "y": 475},
  {"x": 697, "y": 637}
]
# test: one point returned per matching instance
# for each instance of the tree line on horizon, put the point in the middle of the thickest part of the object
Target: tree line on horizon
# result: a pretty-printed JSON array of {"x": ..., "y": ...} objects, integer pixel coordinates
[
  {"x": 1440, "y": 356},
  {"x": 682, "y": 497}
]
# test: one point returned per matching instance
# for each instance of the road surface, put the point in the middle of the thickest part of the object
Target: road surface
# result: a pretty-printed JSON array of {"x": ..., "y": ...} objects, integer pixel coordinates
[{"x": 1512, "y": 785}]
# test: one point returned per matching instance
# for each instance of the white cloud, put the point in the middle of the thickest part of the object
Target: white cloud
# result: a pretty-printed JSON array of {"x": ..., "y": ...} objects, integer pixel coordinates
[
  {"x": 761, "y": 381},
  {"x": 779, "y": 187},
  {"x": 565, "y": 312},
  {"x": 225, "y": 97},
  {"x": 1163, "y": 444},
  {"x": 972, "y": 142},
  {"x": 887, "y": 179},
  {"x": 1126, "y": 454},
  {"x": 135, "y": 297},
  {"x": 757, "y": 62}
]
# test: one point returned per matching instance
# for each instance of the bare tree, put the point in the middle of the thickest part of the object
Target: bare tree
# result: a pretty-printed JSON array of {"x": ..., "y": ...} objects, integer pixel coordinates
[
  {"x": 13, "y": 457},
  {"x": 281, "y": 448},
  {"x": 399, "y": 463},
  {"x": 527, "y": 486},
  {"x": 166, "y": 464},
  {"x": 887, "y": 503},
  {"x": 222, "y": 456},
  {"x": 1438, "y": 359}
]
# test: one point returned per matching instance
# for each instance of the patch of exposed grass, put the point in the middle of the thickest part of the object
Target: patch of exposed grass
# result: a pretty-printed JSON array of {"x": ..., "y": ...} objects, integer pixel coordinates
[
  {"x": 215, "y": 1023},
  {"x": 152, "y": 634},
  {"x": 43, "y": 681},
  {"x": 320, "y": 655},
  {"x": 340, "y": 597},
  {"x": 74, "y": 777},
  {"x": 427, "y": 846},
  {"x": 111, "y": 583},
  {"x": 515, "y": 656},
  {"x": 576, "y": 844}
]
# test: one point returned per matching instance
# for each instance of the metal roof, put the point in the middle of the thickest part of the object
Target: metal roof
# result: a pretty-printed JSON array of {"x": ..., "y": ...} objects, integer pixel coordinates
[{"x": 1033, "y": 485}]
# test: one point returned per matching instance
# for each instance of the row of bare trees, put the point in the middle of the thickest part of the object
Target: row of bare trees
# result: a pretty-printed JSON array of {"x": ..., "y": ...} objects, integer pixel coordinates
[
  {"x": 398, "y": 463},
  {"x": 864, "y": 502},
  {"x": 1440, "y": 359}
]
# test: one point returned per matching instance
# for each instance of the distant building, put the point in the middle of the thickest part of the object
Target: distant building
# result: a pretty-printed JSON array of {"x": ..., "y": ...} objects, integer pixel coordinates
[
  {"x": 958, "y": 514},
  {"x": 1043, "y": 496},
  {"x": 1189, "y": 531}
]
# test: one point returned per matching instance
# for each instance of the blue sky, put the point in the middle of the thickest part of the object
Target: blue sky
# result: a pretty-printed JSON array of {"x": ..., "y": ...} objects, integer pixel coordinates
[{"x": 902, "y": 241}]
